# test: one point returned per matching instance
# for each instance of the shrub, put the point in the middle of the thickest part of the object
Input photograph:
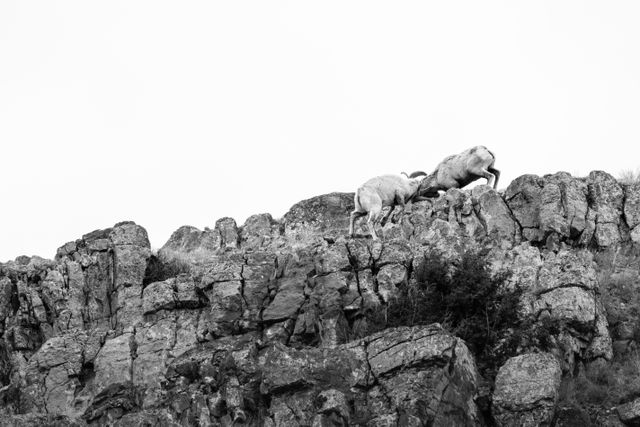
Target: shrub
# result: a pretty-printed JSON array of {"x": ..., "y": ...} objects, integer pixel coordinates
[
  {"x": 619, "y": 287},
  {"x": 609, "y": 384},
  {"x": 464, "y": 297},
  {"x": 629, "y": 177},
  {"x": 160, "y": 268}
]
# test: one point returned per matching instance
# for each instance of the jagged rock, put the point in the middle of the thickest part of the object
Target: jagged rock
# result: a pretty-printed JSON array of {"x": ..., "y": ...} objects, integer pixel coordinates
[
  {"x": 177, "y": 292},
  {"x": 562, "y": 287},
  {"x": 52, "y": 373},
  {"x": 359, "y": 253},
  {"x": 320, "y": 320},
  {"x": 198, "y": 246},
  {"x": 324, "y": 216},
  {"x": 228, "y": 230},
  {"x": 156, "y": 344},
  {"x": 332, "y": 258},
  {"x": 494, "y": 214},
  {"x": 391, "y": 252},
  {"x": 128, "y": 233},
  {"x": 606, "y": 201},
  {"x": 38, "y": 420},
  {"x": 259, "y": 231},
  {"x": 524, "y": 197},
  {"x": 583, "y": 211},
  {"x": 225, "y": 311},
  {"x": 287, "y": 369},
  {"x": 158, "y": 295},
  {"x": 334, "y": 409},
  {"x": 147, "y": 418},
  {"x": 555, "y": 205},
  {"x": 629, "y": 413},
  {"x": 436, "y": 382},
  {"x": 442, "y": 237},
  {"x": 5, "y": 365},
  {"x": 114, "y": 361},
  {"x": 7, "y": 300},
  {"x": 112, "y": 402},
  {"x": 222, "y": 269},
  {"x": 188, "y": 240},
  {"x": 390, "y": 277},
  {"x": 566, "y": 267},
  {"x": 268, "y": 323},
  {"x": 100, "y": 266},
  {"x": 526, "y": 390},
  {"x": 288, "y": 299}
]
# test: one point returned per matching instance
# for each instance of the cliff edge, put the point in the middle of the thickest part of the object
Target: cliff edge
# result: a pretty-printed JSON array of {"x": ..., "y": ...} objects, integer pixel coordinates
[{"x": 269, "y": 323}]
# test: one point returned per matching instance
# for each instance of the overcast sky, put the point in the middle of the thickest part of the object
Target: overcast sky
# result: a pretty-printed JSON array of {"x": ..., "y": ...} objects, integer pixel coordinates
[{"x": 180, "y": 113}]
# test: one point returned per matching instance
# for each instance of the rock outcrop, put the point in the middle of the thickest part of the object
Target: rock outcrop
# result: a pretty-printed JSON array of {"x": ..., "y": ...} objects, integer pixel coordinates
[
  {"x": 587, "y": 212},
  {"x": 266, "y": 323},
  {"x": 527, "y": 389},
  {"x": 629, "y": 413}
]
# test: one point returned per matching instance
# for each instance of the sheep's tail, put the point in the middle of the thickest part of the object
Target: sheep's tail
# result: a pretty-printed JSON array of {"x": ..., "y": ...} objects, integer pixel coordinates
[{"x": 356, "y": 199}]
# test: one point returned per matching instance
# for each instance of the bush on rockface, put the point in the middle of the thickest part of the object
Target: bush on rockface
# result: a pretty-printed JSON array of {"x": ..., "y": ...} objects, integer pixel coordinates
[
  {"x": 604, "y": 385},
  {"x": 161, "y": 268},
  {"x": 609, "y": 384},
  {"x": 619, "y": 288},
  {"x": 465, "y": 298},
  {"x": 598, "y": 387}
]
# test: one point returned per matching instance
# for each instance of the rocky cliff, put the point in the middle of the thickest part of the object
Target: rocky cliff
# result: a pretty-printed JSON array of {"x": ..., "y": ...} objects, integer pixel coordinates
[{"x": 265, "y": 324}]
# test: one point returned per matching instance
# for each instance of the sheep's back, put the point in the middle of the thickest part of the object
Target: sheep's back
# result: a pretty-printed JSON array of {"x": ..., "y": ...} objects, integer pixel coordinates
[{"x": 386, "y": 186}]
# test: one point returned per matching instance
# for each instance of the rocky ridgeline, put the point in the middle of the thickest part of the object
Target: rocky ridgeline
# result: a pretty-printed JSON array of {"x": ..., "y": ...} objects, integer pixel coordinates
[{"x": 267, "y": 326}]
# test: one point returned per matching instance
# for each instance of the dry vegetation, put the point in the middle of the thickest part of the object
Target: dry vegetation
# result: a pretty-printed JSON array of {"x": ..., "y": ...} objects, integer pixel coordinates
[
  {"x": 629, "y": 176},
  {"x": 605, "y": 385},
  {"x": 164, "y": 266}
]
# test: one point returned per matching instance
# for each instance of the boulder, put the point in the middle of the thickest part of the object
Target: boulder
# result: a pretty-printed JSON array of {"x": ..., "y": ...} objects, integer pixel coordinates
[
  {"x": 561, "y": 208},
  {"x": 560, "y": 287},
  {"x": 418, "y": 374},
  {"x": 188, "y": 240},
  {"x": 228, "y": 231},
  {"x": 494, "y": 214},
  {"x": 629, "y": 413},
  {"x": 526, "y": 390},
  {"x": 259, "y": 231},
  {"x": 326, "y": 216}
]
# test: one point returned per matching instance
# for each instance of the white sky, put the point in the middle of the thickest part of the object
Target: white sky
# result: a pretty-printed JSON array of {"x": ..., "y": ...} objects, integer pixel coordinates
[{"x": 174, "y": 113}]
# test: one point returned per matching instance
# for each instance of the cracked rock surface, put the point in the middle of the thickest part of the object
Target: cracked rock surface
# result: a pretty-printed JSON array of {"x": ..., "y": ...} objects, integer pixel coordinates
[
  {"x": 264, "y": 323},
  {"x": 526, "y": 390}
]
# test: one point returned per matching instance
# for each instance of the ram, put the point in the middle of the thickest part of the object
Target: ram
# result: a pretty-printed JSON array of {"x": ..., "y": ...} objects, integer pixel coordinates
[
  {"x": 459, "y": 170},
  {"x": 380, "y": 192}
]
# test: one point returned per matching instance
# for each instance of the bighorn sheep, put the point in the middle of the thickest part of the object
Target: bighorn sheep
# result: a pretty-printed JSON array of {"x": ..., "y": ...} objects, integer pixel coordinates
[
  {"x": 379, "y": 192},
  {"x": 459, "y": 170}
]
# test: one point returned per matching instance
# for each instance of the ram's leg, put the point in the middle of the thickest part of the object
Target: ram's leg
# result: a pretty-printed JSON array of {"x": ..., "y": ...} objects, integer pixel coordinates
[
  {"x": 386, "y": 217},
  {"x": 495, "y": 173},
  {"x": 407, "y": 206},
  {"x": 488, "y": 176},
  {"x": 352, "y": 220},
  {"x": 374, "y": 215},
  {"x": 400, "y": 202}
]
